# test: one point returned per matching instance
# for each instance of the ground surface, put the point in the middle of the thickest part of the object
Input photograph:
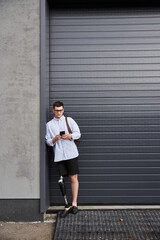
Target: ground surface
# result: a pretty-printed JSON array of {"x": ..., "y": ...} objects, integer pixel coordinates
[{"x": 26, "y": 231}]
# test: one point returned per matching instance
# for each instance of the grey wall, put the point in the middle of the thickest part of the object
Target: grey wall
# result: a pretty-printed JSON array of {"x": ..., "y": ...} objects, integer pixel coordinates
[{"x": 19, "y": 99}]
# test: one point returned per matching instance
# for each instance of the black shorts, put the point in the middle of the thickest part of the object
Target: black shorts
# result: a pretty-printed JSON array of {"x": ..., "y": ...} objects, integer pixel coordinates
[{"x": 68, "y": 167}]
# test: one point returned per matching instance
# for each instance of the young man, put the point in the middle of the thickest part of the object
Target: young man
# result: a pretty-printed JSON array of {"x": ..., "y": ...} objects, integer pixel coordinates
[{"x": 65, "y": 150}]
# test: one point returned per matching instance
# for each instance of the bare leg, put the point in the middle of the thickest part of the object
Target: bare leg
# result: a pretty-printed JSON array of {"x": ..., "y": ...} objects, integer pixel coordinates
[{"x": 74, "y": 188}]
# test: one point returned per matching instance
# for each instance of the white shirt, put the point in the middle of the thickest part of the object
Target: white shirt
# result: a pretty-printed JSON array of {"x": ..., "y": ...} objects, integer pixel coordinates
[{"x": 64, "y": 149}]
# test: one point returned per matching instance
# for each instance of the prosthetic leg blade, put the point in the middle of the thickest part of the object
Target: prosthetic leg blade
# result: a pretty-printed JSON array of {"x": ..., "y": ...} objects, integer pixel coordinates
[{"x": 63, "y": 190}]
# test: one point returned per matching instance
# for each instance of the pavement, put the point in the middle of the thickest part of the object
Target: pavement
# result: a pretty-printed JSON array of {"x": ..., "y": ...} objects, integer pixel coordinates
[
  {"x": 26, "y": 231},
  {"x": 29, "y": 230}
]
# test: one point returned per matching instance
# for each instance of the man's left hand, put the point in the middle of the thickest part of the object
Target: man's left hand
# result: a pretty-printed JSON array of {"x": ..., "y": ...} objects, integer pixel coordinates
[{"x": 66, "y": 136}]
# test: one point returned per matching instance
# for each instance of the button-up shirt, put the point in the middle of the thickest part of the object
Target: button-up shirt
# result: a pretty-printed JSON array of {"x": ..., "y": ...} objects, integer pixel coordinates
[{"x": 64, "y": 149}]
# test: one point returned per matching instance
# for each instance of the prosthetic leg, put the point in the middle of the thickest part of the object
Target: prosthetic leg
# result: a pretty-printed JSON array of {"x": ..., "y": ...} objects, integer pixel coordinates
[{"x": 63, "y": 190}]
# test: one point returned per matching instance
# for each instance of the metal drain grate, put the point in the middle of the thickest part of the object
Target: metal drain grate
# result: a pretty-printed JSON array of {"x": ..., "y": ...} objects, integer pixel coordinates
[{"x": 109, "y": 225}]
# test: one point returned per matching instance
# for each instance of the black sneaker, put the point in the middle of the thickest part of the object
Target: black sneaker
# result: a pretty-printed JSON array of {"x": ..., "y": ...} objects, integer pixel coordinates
[
  {"x": 66, "y": 212},
  {"x": 74, "y": 210}
]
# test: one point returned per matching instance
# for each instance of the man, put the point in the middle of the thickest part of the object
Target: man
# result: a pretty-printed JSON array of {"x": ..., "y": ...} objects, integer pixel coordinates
[{"x": 65, "y": 150}]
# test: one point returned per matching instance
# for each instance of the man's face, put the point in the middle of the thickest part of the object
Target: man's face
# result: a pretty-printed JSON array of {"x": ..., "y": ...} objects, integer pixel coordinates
[{"x": 58, "y": 112}]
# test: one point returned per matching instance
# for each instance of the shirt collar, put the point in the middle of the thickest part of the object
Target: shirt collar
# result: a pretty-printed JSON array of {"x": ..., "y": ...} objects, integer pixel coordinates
[{"x": 59, "y": 119}]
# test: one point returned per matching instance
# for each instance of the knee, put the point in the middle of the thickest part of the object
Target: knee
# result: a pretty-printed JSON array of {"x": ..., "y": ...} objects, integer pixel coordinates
[{"x": 73, "y": 178}]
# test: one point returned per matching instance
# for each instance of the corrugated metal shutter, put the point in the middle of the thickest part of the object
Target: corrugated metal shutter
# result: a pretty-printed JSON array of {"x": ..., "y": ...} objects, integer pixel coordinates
[{"x": 105, "y": 67}]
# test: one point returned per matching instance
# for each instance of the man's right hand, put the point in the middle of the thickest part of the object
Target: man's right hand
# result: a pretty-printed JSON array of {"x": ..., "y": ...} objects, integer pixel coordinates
[{"x": 56, "y": 138}]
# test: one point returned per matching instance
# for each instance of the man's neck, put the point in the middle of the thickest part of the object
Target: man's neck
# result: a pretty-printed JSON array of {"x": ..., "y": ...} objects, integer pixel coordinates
[{"x": 59, "y": 118}]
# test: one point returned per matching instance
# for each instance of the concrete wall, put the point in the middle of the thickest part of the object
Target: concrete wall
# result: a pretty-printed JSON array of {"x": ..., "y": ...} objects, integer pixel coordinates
[{"x": 19, "y": 99}]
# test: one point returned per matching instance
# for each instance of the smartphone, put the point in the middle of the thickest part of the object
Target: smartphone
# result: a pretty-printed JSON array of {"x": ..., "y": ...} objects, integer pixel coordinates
[{"x": 62, "y": 132}]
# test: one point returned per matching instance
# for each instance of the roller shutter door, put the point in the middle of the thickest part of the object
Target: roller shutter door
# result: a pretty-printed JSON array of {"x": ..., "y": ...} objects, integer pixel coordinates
[{"x": 105, "y": 67}]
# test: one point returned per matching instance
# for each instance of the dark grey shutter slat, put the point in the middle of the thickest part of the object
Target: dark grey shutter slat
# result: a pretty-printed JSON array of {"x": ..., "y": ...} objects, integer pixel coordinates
[
  {"x": 106, "y": 54},
  {"x": 105, "y": 74},
  {"x": 106, "y": 94},
  {"x": 110, "y": 61}
]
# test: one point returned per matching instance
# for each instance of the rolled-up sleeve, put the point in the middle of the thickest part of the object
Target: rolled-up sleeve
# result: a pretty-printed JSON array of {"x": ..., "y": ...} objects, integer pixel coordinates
[
  {"x": 76, "y": 134},
  {"x": 48, "y": 137}
]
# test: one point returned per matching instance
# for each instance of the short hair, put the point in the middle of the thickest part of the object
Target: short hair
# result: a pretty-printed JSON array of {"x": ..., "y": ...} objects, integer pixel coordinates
[{"x": 58, "y": 104}]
